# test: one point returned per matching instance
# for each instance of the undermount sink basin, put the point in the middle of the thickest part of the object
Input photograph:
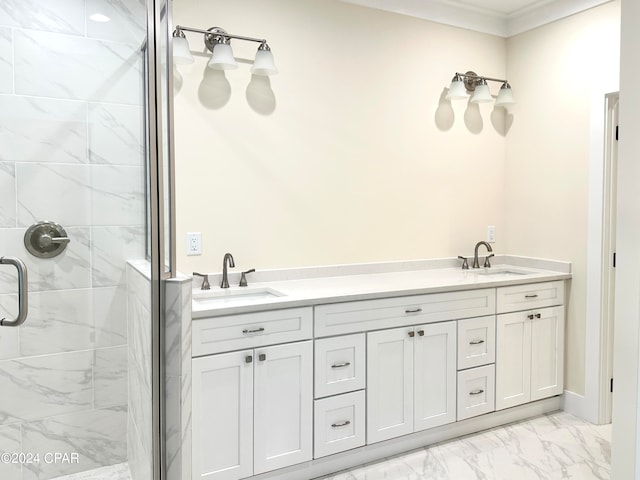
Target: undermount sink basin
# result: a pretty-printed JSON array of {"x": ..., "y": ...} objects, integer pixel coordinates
[
  {"x": 506, "y": 271},
  {"x": 235, "y": 295}
]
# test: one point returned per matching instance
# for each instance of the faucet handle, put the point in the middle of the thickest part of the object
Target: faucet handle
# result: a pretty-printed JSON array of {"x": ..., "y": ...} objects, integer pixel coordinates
[
  {"x": 465, "y": 263},
  {"x": 487, "y": 263},
  {"x": 243, "y": 278},
  {"x": 205, "y": 280}
]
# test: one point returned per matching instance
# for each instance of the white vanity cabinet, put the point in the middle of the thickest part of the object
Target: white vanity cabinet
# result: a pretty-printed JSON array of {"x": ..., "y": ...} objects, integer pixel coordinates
[
  {"x": 411, "y": 379},
  {"x": 530, "y": 343},
  {"x": 253, "y": 408}
]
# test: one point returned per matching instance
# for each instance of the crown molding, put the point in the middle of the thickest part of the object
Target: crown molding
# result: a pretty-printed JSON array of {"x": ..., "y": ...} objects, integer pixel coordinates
[{"x": 480, "y": 19}]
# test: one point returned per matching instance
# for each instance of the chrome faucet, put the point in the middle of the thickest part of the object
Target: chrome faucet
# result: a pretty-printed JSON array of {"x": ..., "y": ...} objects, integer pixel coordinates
[
  {"x": 228, "y": 259},
  {"x": 476, "y": 264}
]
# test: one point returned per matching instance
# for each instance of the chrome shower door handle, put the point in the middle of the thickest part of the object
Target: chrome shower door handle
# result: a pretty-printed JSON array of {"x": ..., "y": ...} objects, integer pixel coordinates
[{"x": 23, "y": 293}]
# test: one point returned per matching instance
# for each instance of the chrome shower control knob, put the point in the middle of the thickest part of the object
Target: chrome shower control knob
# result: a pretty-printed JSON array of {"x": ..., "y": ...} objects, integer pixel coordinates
[{"x": 46, "y": 239}]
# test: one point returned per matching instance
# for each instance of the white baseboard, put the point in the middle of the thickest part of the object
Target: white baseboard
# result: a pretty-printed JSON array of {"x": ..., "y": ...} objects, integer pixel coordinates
[{"x": 577, "y": 405}]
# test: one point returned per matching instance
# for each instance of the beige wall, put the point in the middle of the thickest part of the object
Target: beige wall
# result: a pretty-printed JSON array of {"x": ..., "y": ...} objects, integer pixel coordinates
[
  {"x": 347, "y": 157},
  {"x": 555, "y": 71}
]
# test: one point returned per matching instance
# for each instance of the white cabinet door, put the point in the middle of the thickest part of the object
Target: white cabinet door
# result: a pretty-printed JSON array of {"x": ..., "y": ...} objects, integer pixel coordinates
[
  {"x": 389, "y": 383},
  {"x": 435, "y": 375},
  {"x": 283, "y": 406},
  {"x": 223, "y": 416},
  {"x": 513, "y": 359},
  {"x": 547, "y": 352}
]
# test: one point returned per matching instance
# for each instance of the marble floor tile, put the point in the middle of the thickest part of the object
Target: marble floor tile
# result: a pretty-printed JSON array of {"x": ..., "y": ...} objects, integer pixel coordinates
[
  {"x": 119, "y": 471},
  {"x": 555, "y": 446}
]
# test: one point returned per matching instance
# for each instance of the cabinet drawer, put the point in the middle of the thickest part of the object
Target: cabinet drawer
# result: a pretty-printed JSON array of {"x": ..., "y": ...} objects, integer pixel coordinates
[
  {"x": 533, "y": 295},
  {"x": 352, "y": 317},
  {"x": 476, "y": 342},
  {"x": 339, "y": 365},
  {"x": 476, "y": 391},
  {"x": 237, "y": 332},
  {"x": 339, "y": 423}
]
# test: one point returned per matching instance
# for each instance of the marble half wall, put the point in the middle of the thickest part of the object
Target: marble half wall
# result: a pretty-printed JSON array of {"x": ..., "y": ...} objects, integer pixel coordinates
[{"x": 178, "y": 377}]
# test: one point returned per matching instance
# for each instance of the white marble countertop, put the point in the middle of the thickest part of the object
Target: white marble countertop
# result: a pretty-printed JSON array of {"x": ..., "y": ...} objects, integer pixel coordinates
[{"x": 363, "y": 286}]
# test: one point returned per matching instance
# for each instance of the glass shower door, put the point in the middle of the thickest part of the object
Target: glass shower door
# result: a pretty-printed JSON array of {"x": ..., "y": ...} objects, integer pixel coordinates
[{"x": 76, "y": 378}]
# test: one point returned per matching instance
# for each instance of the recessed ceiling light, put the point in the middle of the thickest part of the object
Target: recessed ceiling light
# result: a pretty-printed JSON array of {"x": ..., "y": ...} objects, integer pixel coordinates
[{"x": 98, "y": 17}]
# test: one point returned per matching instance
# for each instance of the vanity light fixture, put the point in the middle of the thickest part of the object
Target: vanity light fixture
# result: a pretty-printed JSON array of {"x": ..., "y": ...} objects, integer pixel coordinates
[
  {"x": 470, "y": 82},
  {"x": 218, "y": 42}
]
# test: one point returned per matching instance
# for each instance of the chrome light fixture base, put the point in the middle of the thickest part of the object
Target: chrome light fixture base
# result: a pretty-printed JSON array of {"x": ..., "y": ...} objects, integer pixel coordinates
[
  {"x": 217, "y": 35},
  {"x": 471, "y": 80}
]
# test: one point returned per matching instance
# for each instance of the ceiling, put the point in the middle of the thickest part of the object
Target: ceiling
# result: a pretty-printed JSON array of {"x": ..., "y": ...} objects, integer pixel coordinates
[{"x": 497, "y": 17}]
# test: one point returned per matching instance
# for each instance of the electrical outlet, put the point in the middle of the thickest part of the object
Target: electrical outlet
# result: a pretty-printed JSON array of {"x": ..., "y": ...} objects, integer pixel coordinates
[
  {"x": 194, "y": 243},
  {"x": 491, "y": 234}
]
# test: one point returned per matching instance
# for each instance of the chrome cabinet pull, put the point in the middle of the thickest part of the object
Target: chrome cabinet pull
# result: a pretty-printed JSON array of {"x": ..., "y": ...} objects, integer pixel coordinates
[
  {"x": 255, "y": 330},
  {"x": 531, "y": 295},
  {"x": 340, "y": 365},
  {"x": 476, "y": 342},
  {"x": 248, "y": 359},
  {"x": 538, "y": 315},
  {"x": 476, "y": 392},
  {"x": 530, "y": 316},
  {"x": 262, "y": 357},
  {"x": 415, "y": 310},
  {"x": 340, "y": 424},
  {"x": 23, "y": 292}
]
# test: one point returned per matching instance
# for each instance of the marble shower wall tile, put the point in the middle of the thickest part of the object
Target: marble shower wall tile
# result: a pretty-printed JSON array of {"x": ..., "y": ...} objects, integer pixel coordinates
[
  {"x": 139, "y": 282},
  {"x": 8, "y": 216},
  {"x": 98, "y": 436},
  {"x": 69, "y": 270},
  {"x": 110, "y": 316},
  {"x": 173, "y": 429},
  {"x": 127, "y": 20},
  {"x": 62, "y": 16},
  {"x": 44, "y": 386},
  {"x": 6, "y": 60},
  {"x": 112, "y": 247},
  {"x": 110, "y": 377},
  {"x": 10, "y": 442},
  {"x": 59, "y": 321},
  {"x": 42, "y": 130},
  {"x": 139, "y": 365},
  {"x": 9, "y": 337},
  {"x": 77, "y": 68},
  {"x": 115, "y": 134},
  {"x": 118, "y": 195},
  {"x": 138, "y": 456},
  {"x": 60, "y": 193}
]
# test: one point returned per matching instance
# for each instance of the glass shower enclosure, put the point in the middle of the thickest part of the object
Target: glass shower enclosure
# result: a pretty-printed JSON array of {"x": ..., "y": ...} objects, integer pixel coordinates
[{"x": 81, "y": 237}]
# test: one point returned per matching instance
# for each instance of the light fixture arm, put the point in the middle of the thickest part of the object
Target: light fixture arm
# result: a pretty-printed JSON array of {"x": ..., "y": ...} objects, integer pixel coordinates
[
  {"x": 213, "y": 34},
  {"x": 478, "y": 77}
]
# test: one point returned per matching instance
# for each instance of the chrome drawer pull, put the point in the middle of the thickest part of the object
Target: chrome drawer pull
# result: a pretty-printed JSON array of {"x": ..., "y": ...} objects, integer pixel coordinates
[
  {"x": 530, "y": 316},
  {"x": 340, "y": 365},
  {"x": 416, "y": 310},
  {"x": 476, "y": 342},
  {"x": 255, "y": 330},
  {"x": 538, "y": 315},
  {"x": 340, "y": 424},
  {"x": 476, "y": 392},
  {"x": 533, "y": 295}
]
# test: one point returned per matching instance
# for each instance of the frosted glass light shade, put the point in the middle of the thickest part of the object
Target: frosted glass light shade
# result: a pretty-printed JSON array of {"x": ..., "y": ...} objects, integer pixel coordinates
[
  {"x": 457, "y": 89},
  {"x": 181, "y": 53},
  {"x": 222, "y": 57},
  {"x": 505, "y": 96},
  {"x": 263, "y": 64},
  {"x": 482, "y": 94}
]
